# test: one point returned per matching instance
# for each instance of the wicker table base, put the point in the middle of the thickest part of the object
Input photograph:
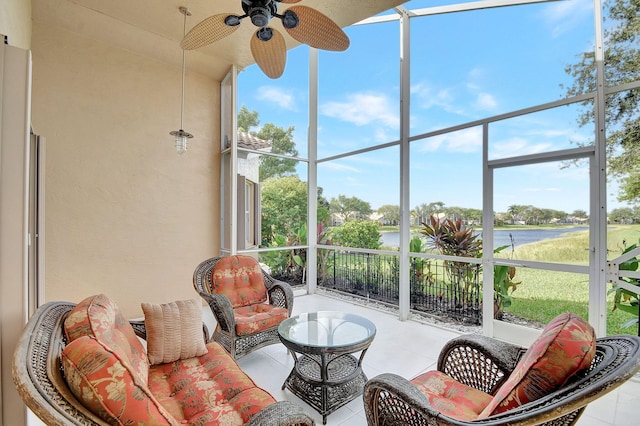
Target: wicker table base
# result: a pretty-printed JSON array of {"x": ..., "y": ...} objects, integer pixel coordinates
[
  {"x": 326, "y": 374},
  {"x": 344, "y": 381}
]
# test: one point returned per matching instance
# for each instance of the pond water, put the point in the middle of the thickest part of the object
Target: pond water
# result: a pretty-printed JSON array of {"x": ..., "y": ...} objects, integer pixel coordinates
[{"x": 501, "y": 237}]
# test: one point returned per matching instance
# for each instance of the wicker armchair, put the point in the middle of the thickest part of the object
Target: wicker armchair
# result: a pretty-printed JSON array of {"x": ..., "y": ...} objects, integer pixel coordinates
[
  {"x": 39, "y": 377},
  {"x": 485, "y": 364},
  {"x": 226, "y": 333}
]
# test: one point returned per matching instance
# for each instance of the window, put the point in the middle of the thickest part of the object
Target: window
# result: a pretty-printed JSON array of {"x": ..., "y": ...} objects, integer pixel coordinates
[{"x": 249, "y": 234}]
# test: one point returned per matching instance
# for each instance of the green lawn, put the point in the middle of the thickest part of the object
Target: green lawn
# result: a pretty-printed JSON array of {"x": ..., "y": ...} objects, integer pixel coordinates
[{"x": 544, "y": 294}]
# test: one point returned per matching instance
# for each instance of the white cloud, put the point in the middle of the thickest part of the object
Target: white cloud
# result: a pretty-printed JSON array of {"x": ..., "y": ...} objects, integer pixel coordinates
[
  {"x": 363, "y": 108},
  {"x": 465, "y": 141},
  {"x": 550, "y": 189},
  {"x": 281, "y": 97},
  {"x": 517, "y": 146},
  {"x": 563, "y": 16},
  {"x": 429, "y": 97},
  {"x": 454, "y": 99},
  {"x": 486, "y": 101},
  {"x": 335, "y": 166}
]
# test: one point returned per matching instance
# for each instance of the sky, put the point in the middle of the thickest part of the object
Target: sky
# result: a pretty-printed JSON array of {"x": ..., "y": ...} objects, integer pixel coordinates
[{"x": 464, "y": 67}]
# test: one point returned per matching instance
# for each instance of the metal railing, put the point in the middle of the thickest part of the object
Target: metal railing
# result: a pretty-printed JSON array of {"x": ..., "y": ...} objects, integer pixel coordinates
[{"x": 443, "y": 289}]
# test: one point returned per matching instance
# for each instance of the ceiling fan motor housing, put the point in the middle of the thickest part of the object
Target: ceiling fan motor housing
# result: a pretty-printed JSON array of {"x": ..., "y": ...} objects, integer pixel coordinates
[
  {"x": 259, "y": 16},
  {"x": 260, "y": 11}
]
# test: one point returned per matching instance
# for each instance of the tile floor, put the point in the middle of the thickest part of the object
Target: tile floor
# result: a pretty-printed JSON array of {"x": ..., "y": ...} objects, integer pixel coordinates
[{"x": 405, "y": 348}]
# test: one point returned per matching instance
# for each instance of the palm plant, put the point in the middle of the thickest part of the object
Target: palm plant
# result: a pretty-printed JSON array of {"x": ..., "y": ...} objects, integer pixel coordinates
[{"x": 453, "y": 238}]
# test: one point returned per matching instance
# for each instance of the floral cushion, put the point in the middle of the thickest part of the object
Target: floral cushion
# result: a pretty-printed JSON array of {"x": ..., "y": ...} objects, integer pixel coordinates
[
  {"x": 253, "y": 318},
  {"x": 240, "y": 279},
  {"x": 451, "y": 398},
  {"x": 566, "y": 346},
  {"x": 107, "y": 385},
  {"x": 99, "y": 317},
  {"x": 210, "y": 389}
]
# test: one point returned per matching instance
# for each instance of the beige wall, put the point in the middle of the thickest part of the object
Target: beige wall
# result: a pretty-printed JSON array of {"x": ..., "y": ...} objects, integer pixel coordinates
[
  {"x": 14, "y": 139},
  {"x": 125, "y": 214},
  {"x": 15, "y": 22}
]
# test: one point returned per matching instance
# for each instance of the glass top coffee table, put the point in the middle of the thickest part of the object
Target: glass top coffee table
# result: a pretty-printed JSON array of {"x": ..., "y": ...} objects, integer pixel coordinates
[{"x": 326, "y": 374}]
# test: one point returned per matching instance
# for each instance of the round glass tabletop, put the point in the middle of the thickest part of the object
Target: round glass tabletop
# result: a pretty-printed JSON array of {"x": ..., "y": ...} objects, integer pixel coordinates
[{"x": 327, "y": 329}]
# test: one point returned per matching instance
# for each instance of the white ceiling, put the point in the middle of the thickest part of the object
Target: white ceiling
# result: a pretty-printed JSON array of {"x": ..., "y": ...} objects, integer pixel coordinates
[{"x": 154, "y": 27}]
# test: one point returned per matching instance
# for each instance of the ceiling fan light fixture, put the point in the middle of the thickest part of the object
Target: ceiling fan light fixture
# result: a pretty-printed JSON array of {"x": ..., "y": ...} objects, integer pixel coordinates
[
  {"x": 290, "y": 19},
  {"x": 265, "y": 34},
  {"x": 232, "y": 20}
]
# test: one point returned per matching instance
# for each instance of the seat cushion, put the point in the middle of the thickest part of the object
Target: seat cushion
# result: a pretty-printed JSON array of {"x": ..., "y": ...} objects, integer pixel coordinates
[
  {"x": 100, "y": 318},
  {"x": 565, "y": 347},
  {"x": 240, "y": 279},
  {"x": 254, "y": 318},
  {"x": 107, "y": 385},
  {"x": 174, "y": 330},
  {"x": 210, "y": 389},
  {"x": 451, "y": 398}
]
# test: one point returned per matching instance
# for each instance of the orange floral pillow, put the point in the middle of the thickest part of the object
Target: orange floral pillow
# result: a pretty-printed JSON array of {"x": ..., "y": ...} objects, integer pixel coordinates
[
  {"x": 99, "y": 317},
  {"x": 566, "y": 346},
  {"x": 240, "y": 279},
  {"x": 106, "y": 385}
]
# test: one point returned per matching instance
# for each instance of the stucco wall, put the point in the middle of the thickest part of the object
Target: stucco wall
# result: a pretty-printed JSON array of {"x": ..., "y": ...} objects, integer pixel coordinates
[
  {"x": 125, "y": 214},
  {"x": 15, "y": 22}
]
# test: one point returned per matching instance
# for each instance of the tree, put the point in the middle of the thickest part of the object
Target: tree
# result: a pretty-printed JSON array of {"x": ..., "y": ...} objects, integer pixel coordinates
[
  {"x": 281, "y": 143},
  {"x": 284, "y": 207},
  {"x": 390, "y": 214},
  {"x": 622, "y": 66},
  {"x": 349, "y": 208},
  {"x": 580, "y": 214},
  {"x": 323, "y": 207},
  {"x": 516, "y": 211},
  {"x": 247, "y": 119},
  {"x": 420, "y": 213},
  {"x": 357, "y": 234},
  {"x": 435, "y": 207},
  {"x": 472, "y": 215},
  {"x": 621, "y": 215}
]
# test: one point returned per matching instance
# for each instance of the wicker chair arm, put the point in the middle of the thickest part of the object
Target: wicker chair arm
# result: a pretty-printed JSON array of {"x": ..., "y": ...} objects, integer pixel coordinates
[
  {"x": 390, "y": 399},
  {"x": 283, "y": 413},
  {"x": 280, "y": 292},
  {"x": 37, "y": 373},
  {"x": 222, "y": 310},
  {"x": 479, "y": 361}
]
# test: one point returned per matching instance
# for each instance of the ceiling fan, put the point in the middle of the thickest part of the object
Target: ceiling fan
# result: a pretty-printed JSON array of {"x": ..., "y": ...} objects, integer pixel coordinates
[{"x": 268, "y": 48}]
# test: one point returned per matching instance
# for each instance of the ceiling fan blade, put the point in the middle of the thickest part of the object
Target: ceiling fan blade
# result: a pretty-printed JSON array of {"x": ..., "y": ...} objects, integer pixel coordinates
[
  {"x": 207, "y": 31},
  {"x": 270, "y": 55},
  {"x": 317, "y": 30},
  {"x": 289, "y": 1}
]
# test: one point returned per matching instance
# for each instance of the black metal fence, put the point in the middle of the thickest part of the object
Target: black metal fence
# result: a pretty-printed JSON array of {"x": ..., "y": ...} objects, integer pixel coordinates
[{"x": 450, "y": 290}]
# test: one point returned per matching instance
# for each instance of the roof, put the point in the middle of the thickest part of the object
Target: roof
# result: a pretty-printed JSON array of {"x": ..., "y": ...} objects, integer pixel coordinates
[{"x": 248, "y": 141}]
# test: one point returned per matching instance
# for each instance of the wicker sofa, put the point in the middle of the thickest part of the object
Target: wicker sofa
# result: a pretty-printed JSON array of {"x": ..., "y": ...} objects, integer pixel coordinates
[
  {"x": 475, "y": 364},
  {"x": 83, "y": 365}
]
